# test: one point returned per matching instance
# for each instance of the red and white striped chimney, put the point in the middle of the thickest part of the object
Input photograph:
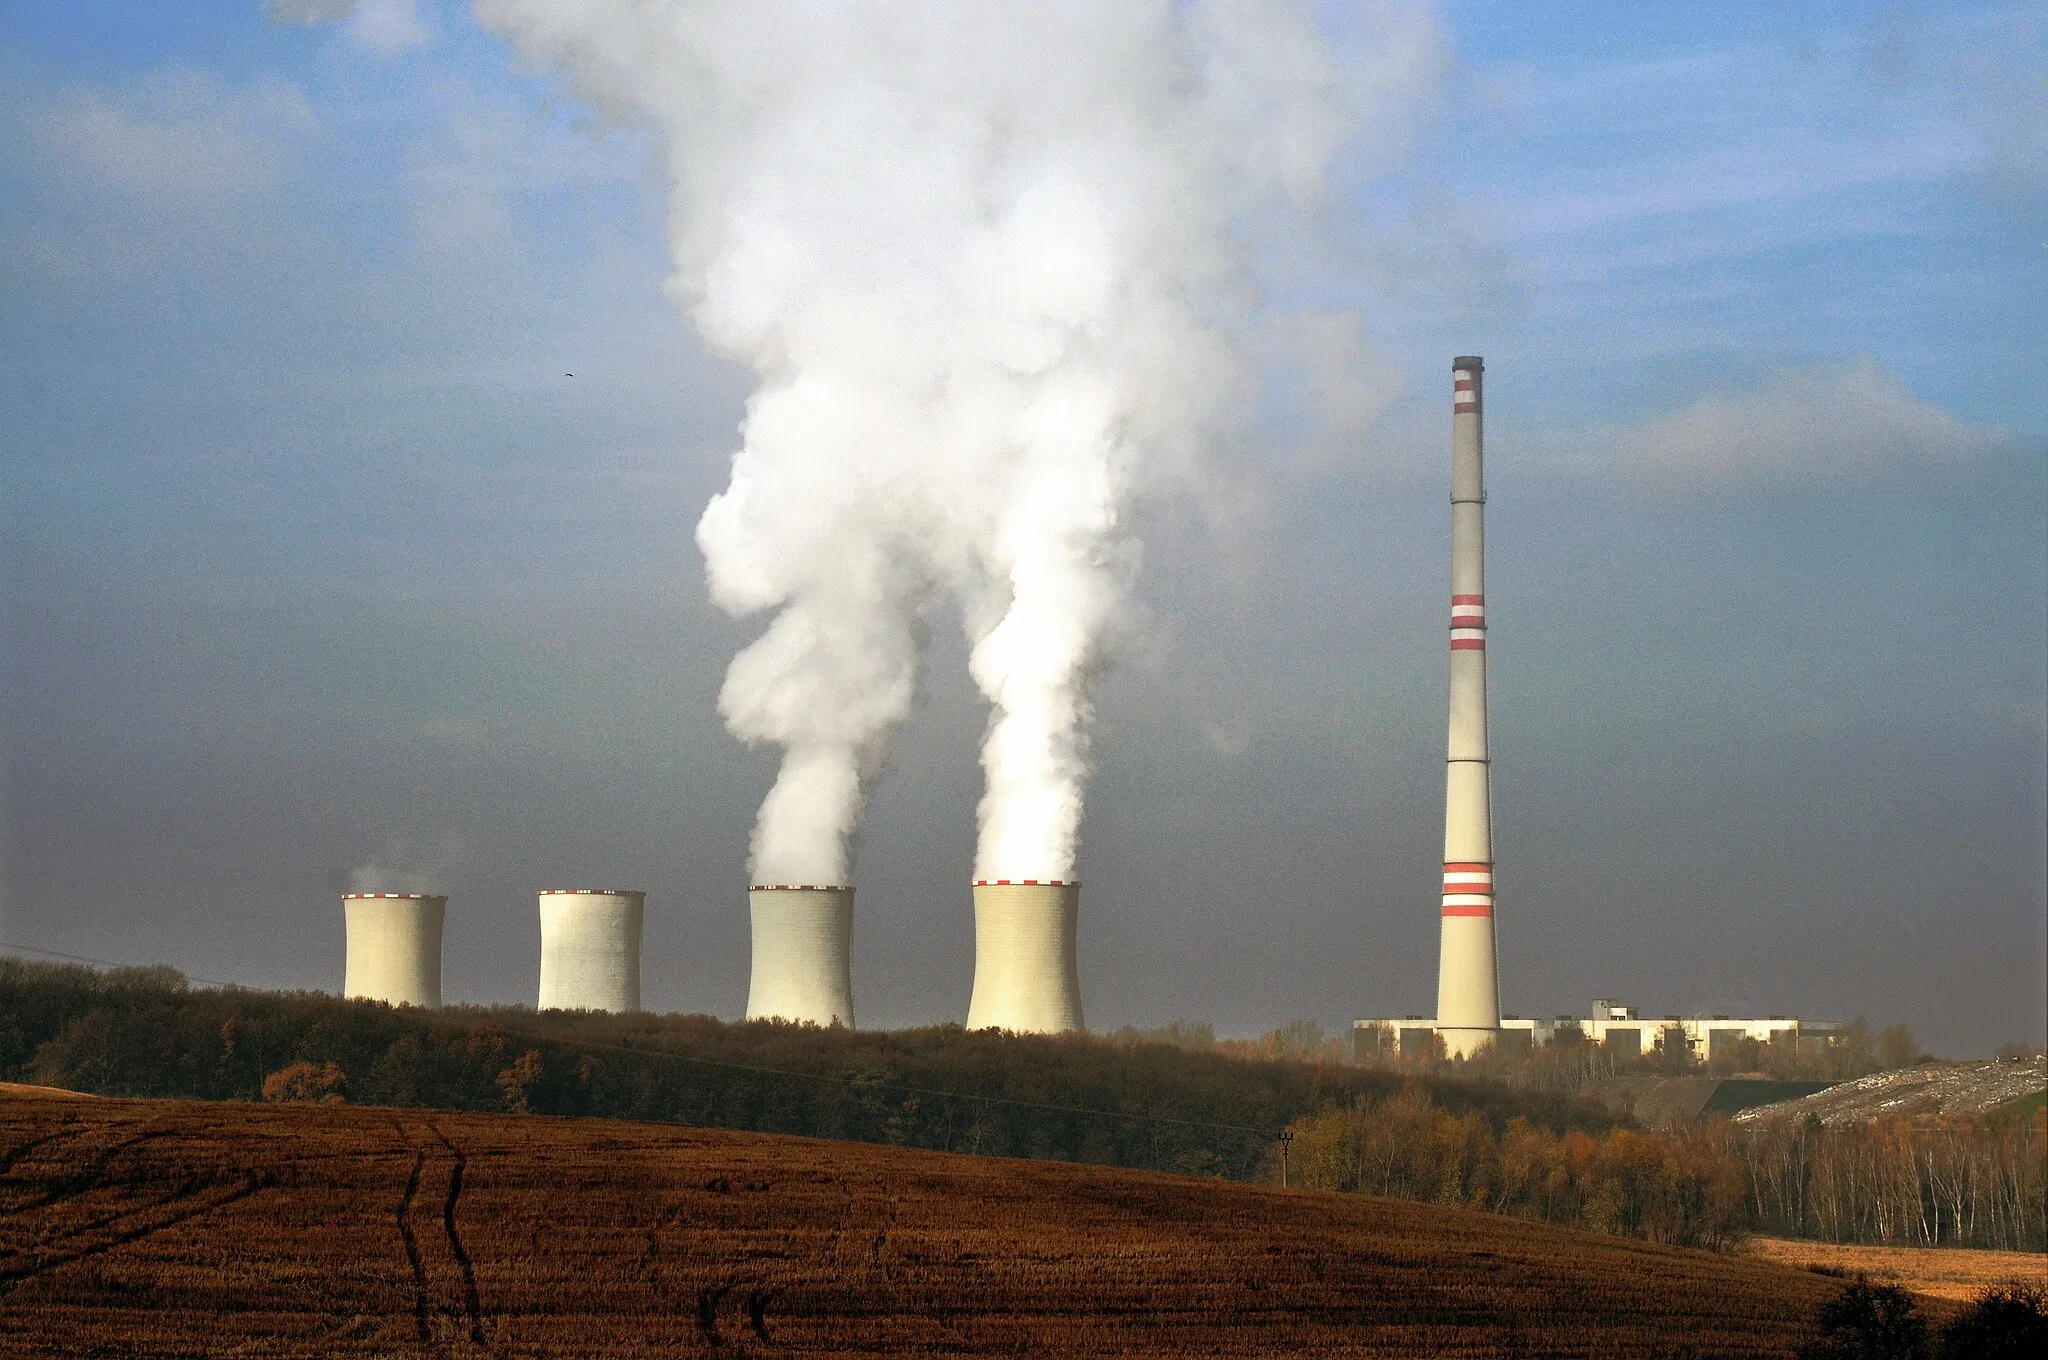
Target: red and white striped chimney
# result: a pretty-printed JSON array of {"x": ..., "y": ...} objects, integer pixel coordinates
[{"x": 1468, "y": 985}]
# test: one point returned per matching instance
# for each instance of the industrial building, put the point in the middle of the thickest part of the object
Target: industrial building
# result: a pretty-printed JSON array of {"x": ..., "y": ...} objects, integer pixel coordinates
[
  {"x": 803, "y": 953},
  {"x": 590, "y": 949},
  {"x": 394, "y": 947},
  {"x": 1613, "y": 1024},
  {"x": 1468, "y": 1018},
  {"x": 1027, "y": 975},
  {"x": 1468, "y": 970}
]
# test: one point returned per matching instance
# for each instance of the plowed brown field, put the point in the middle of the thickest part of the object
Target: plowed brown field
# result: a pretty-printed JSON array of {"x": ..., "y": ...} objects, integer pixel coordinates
[{"x": 168, "y": 1228}]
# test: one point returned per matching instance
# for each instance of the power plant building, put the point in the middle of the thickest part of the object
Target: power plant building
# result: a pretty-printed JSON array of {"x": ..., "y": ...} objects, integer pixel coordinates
[
  {"x": 1468, "y": 1018},
  {"x": 1612, "y": 1024},
  {"x": 590, "y": 949},
  {"x": 394, "y": 947},
  {"x": 803, "y": 953},
  {"x": 1027, "y": 976}
]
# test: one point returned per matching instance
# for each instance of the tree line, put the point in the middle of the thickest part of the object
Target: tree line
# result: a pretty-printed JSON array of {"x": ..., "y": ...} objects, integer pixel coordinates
[
  {"x": 1972, "y": 1182},
  {"x": 1116, "y": 1101}
]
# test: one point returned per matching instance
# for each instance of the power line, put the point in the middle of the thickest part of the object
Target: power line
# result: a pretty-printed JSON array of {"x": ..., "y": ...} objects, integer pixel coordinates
[{"x": 109, "y": 963}]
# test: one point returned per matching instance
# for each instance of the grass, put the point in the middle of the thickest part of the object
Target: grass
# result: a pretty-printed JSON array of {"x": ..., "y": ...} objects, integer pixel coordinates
[
  {"x": 1957, "y": 1273},
  {"x": 143, "y": 1227},
  {"x": 2026, "y": 1107}
]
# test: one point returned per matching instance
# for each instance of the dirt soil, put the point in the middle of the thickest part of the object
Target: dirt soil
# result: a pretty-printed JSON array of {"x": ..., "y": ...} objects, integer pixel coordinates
[
  {"x": 1939, "y": 1272},
  {"x": 1970, "y": 1088},
  {"x": 134, "y": 1228}
]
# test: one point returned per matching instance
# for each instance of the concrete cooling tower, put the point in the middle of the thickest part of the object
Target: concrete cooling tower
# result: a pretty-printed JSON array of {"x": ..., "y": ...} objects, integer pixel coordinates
[
  {"x": 394, "y": 947},
  {"x": 590, "y": 949},
  {"x": 1026, "y": 975},
  {"x": 803, "y": 953},
  {"x": 1468, "y": 984}
]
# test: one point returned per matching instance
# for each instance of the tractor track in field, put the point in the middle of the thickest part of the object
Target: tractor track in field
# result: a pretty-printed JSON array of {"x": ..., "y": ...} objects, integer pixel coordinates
[
  {"x": 187, "y": 1187},
  {"x": 420, "y": 1300},
  {"x": 21, "y": 1150},
  {"x": 76, "y": 1183},
  {"x": 472, "y": 1304},
  {"x": 14, "y": 1275}
]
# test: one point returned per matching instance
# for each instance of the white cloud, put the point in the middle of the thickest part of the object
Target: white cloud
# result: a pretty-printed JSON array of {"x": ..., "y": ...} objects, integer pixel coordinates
[
  {"x": 386, "y": 27},
  {"x": 181, "y": 137},
  {"x": 177, "y": 164},
  {"x": 1820, "y": 424},
  {"x": 484, "y": 153}
]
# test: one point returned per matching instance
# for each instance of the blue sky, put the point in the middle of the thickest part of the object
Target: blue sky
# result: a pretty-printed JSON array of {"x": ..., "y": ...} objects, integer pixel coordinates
[{"x": 314, "y": 560}]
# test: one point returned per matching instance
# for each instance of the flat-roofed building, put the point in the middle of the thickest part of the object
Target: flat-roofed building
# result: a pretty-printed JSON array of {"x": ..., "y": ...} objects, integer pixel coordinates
[{"x": 1614, "y": 1024}]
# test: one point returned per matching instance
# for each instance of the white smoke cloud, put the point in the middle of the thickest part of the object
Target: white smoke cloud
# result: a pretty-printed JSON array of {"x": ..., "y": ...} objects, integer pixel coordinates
[
  {"x": 1821, "y": 424},
  {"x": 988, "y": 262},
  {"x": 405, "y": 864}
]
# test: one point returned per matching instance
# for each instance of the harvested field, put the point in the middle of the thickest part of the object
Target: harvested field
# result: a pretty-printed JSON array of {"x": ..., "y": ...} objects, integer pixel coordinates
[
  {"x": 1938, "y": 1272},
  {"x": 172, "y": 1228}
]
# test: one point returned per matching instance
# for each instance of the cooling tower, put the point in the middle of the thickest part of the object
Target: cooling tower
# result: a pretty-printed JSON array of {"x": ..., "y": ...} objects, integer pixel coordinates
[
  {"x": 1026, "y": 977},
  {"x": 590, "y": 949},
  {"x": 394, "y": 947},
  {"x": 1467, "y": 988},
  {"x": 803, "y": 953}
]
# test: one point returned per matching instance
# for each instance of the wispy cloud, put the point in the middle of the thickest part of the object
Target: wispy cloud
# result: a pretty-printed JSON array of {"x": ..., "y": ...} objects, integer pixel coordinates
[
  {"x": 109, "y": 181},
  {"x": 386, "y": 27},
  {"x": 1741, "y": 178},
  {"x": 1820, "y": 424},
  {"x": 181, "y": 138}
]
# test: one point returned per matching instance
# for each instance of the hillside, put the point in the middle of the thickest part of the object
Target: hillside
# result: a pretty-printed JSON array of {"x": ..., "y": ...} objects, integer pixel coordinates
[
  {"x": 1965, "y": 1088},
  {"x": 161, "y": 1228},
  {"x": 1670, "y": 1102},
  {"x": 142, "y": 1032}
]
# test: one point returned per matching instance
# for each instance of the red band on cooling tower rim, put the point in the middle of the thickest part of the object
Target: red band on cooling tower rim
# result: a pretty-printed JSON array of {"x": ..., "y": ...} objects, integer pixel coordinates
[
  {"x": 1468, "y": 910},
  {"x": 591, "y": 892},
  {"x": 800, "y": 887},
  {"x": 1027, "y": 882},
  {"x": 400, "y": 897},
  {"x": 1468, "y": 644}
]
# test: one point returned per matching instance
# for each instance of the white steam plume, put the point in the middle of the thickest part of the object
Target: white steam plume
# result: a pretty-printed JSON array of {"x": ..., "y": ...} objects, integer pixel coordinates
[{"x": 987, "y": 260}]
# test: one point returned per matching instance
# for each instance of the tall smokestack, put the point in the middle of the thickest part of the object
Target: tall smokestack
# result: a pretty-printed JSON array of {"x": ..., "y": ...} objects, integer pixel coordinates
[
  {"x": 1026, "y": 971},
  {"x": 590, "y": 949},
  {"x": 803, "y": 953},
  {"x": 1468, "y": 985},
  {"x": 394, "y": 947}
]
